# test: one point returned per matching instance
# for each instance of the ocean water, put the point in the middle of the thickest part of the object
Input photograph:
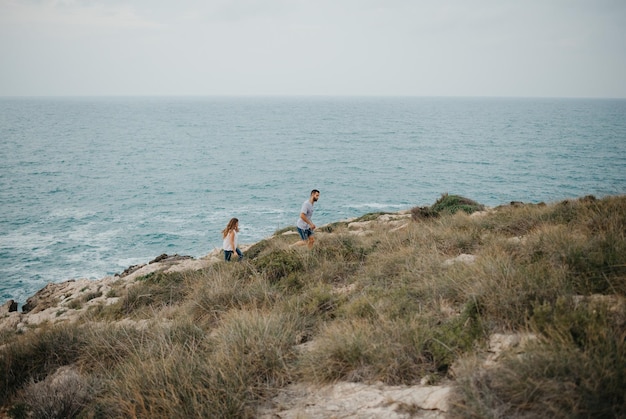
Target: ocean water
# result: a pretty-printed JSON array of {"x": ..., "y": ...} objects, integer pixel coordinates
[{"x": 90, "y": 186}]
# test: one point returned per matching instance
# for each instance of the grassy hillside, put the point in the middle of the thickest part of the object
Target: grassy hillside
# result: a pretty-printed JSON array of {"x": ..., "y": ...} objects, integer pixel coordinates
[{"x": 389, "y": 304}]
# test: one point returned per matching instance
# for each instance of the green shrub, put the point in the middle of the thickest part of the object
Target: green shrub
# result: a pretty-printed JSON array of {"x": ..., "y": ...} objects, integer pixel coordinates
[
  {"x": 454, "y": 203},
  {"x": 341, "y": 248},
  {"x": 280, "y": 264},
  {"x": 455, "y": 337},
  {"x": 316, "y": 305},
  {"x": 279, "y": 240},
  {"x": 256, "y": 249},
  {"x": 154, "y": 290}
]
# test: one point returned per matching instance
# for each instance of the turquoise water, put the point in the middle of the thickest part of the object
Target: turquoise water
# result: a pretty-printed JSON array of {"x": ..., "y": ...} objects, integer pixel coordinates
[{"x": 90, "y": 186}]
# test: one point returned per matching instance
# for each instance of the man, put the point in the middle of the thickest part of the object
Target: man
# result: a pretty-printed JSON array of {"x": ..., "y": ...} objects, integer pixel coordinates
[{"x": 304, "y": 223}]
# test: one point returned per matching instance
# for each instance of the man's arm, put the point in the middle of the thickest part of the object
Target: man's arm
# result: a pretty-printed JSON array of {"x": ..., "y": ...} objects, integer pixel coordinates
[{"x": 306, "y": 220}]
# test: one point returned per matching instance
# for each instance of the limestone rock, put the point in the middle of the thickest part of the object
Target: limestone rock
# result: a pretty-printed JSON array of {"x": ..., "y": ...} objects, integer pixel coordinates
[
  {"x": 359, "y": 400},
  {"x": 462, "y": 258}
]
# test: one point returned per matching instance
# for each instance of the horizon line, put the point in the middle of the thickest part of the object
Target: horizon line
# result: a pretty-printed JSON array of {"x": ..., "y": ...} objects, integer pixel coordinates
[{"x": 390, "y": 96}]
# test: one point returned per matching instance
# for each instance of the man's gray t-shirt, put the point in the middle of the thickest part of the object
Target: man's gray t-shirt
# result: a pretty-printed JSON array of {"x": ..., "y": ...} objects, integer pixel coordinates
[{"x": 307, "y": 209}]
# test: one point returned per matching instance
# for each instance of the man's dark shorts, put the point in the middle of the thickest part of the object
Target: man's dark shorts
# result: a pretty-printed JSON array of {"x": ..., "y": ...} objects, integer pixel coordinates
[{"x": 305, "y": 234}]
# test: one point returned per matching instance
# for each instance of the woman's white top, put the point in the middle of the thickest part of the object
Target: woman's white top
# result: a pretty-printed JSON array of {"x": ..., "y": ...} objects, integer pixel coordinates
[{"x": 227, "y": 245}]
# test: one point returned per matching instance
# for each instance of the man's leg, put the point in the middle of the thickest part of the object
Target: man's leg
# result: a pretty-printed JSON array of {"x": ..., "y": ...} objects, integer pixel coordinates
[
  {"x": 304, "y": 237},
  {"x": 307, "y": 238}
]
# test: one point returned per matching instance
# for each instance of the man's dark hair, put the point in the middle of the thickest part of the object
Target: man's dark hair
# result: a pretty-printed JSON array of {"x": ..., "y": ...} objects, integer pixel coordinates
[{"x": 314, "y": 191}]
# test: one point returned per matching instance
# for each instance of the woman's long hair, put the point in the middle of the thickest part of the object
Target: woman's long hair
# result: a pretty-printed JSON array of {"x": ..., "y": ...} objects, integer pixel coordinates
[{"x": 232, "y": 225}]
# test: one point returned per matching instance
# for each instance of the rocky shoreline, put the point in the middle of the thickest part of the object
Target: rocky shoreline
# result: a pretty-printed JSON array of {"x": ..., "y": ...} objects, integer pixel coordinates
[{"x": 66, "y": 301}]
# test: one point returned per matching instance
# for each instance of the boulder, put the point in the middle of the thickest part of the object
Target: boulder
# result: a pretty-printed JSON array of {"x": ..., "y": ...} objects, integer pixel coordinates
[
  {"x": 169, "y": 258},
  {"x": 9, "y": 307},
  {"x": 45, "y": 297}
]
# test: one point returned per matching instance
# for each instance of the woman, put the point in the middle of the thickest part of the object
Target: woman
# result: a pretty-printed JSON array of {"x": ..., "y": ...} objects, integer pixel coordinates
[{"x": 230, "y": 239}]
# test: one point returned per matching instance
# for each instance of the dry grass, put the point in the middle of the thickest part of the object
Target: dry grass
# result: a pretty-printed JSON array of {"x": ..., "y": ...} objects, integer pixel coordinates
[{"x": 385, "y": 306}]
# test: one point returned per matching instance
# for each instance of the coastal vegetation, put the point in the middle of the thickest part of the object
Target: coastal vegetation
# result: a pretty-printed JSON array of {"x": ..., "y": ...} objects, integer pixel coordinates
[{"x": 398, "y": 304}]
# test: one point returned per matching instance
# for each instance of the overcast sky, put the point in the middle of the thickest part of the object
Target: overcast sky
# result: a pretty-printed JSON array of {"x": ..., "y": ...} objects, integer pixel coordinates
[{"x": 538, "y": 48}]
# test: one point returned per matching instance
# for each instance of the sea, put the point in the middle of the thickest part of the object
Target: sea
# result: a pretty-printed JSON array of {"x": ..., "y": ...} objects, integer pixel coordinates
[{"x": 92, "y": 185}]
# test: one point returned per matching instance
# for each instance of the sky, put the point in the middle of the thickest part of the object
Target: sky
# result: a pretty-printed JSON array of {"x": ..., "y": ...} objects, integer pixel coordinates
[{"x": 500, "y": 48}]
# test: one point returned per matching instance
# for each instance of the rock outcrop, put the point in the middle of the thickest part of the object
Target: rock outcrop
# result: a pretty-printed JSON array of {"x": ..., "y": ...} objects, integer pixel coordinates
[{"x": 66, "y": 301}]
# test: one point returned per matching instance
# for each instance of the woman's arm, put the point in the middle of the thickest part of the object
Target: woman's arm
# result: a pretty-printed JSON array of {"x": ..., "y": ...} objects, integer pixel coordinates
[{"x": 232, "y": 240}]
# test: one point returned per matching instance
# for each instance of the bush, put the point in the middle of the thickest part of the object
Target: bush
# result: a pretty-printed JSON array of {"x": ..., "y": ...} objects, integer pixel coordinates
[
  {"x": 340, "y": 248},
  {"x": 33, "y": 356},
  {"x": 453, "y": 203},
  {"x": 65, "y": 394},
  {"x": 154, "y": 290},
  {"x": 280, "y": 265},
  {"x": 447, "y": 204}
]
